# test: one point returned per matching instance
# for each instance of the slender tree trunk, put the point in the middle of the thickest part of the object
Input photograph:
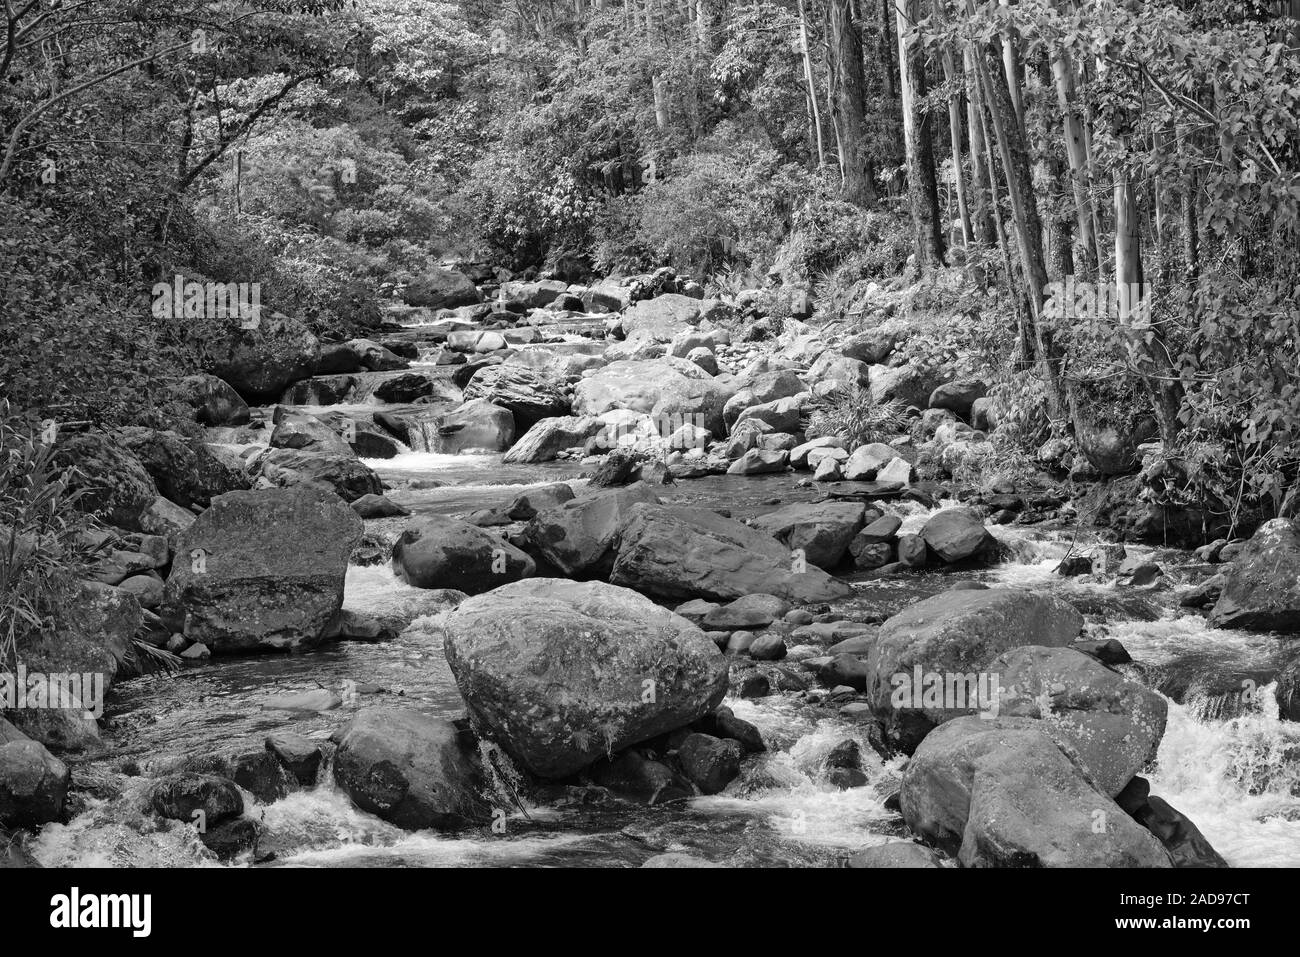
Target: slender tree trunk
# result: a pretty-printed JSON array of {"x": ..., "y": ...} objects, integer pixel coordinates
[
  {"x": 1024, "y": 213},
  {"x": 981, "y": 173},
  {"x": 955, "y": 135},
  {"x": 814, "y": 114},
  {"x": 922, "y": 183}
]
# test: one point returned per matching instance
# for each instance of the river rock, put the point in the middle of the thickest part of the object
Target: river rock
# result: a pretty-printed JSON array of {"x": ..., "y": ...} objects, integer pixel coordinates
[
  {"x": 112, "y": 483},
  {"x": 299, "y": 755},
  {"x": 749, "y": 611},
  {"x": 412, "y": 770},
  {"x": 710, "y": 763},
  {"x": 263, "y": 570},
  {"x": 530, "y": 396},
  {"x": 33, "y": 782},
  {"x": 196, "y": 798},
  {"x": 780, "y": 415},
  {"x": 546, "y": 438},
  {"x": 562, "y": 673},
  {"x": 295, "y": 430},
  {"x": 866, "y": 461},
  {"x": 477, "y": 424},
  {"x": 215, "y": 402},
  {"x": 439, "y": 288},
  {"x": 823, "y": 530},
  {"x": 958, "y": 396},
  {"x": 259, "y": 363},
  {"x": 956, "y": 634},
  {"x": 761, "y": 389},
  {"x": 677, "y": 553},
  {"x": 958, "y": 533},
  {"x": 662, "y": 318},
  {"x": 1003, "y": 793},
  {"x": 895, "y": 855},
  {"x": 1262, "y": 589},
  {"x": 759, "y": 462},
  {"x": 909, "y": 384},
  {"x": 438, "y": 552},
  {"x": 378, "y": 506},
  {"x": 578, "y": 536},
  {"x": 666, "y": 389},
  {"x": 342, "y": 474},
  {"x": 526, "y": 505},
  {"x": 1114, "y": 724}
]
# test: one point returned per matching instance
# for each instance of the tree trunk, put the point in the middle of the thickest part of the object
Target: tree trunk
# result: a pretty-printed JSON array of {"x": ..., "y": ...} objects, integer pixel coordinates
[
  {"x": 848, "y": 85},
  {"x": 814, "y": 114},
  {"x": 980, "y": 172},
  {"x": 922, "y": 183},
  {"x": 1024, "y": 212}
]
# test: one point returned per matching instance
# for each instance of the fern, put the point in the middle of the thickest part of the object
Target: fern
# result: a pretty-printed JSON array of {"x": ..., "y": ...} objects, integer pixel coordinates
[{"x": 850, "y": 413}]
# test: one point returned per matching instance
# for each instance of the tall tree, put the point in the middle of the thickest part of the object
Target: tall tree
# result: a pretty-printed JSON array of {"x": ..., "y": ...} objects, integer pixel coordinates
[{"x": 849, "y": 101}]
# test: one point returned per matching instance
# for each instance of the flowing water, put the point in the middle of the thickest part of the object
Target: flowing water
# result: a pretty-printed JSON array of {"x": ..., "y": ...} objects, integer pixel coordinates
[{"x": 1226, "y": 760}]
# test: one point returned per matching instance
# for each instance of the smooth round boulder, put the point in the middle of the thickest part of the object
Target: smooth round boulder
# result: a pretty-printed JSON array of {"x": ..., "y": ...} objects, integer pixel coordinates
[
  {"x": 182, "y": 796},
  {"x": 561, "y": 673}
]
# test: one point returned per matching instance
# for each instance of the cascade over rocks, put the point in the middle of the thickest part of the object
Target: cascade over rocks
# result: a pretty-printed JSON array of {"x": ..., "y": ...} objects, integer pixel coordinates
[{"x": 562, "y": 673}]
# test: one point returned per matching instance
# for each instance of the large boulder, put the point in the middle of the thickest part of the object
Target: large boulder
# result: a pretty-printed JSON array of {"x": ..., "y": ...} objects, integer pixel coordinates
[
  {"x": 340, "y": 473},
  {"x": 478, "y": 424},
  {"x": 679, "y": 553},
  {"x": 1114, "y": 724},
  {"x": 263, "y": 570},
  {"x": 1003, "y": 793},
  {"x": 262, "y": 361},
  {"x": 529, "y": 395},
  {"x": 760, "y": 389},
  {"x": 33, "y": 784},
  {"x": 908, "y": 384},
  {"x": 356, "y": 355},
  {"x": 215, "y": 402},
  {"x": 304, "y": 433},
  {"x": 438, "y": 552},
  {"x": 412, "y": 770},
  {"x": 954, "y": 637},
  {"x": 1262, "y": 591},
  {"x": 185, "y": 471},
  {"x": 439, "y": 288},
  {"x": 958, "y": 533},
  {"x": 112, "y": 483},
  {"x": 823, "y": 530},
  {"x": 561, "y": 674},
  {"x": 665, "y": 389},
  {"x": 578, "y": 537},
  {"x": 958, "y": 397},
  {"x": 661, "y": 318},
  {"x": 547, "y": 438}
]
